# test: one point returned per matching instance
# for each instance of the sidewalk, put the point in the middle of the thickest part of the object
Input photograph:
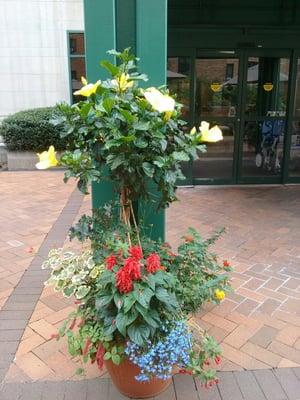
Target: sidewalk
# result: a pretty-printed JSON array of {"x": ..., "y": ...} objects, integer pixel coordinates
[{"x": 258, "y": 326}]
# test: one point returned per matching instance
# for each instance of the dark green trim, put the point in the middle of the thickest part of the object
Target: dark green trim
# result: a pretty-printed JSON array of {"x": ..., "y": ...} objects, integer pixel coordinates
[
  {"x": 126, "y": 25},
  {"x": 100, "y": 35}
]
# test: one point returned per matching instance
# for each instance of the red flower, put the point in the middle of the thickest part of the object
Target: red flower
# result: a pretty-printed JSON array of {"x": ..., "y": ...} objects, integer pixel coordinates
[
  {"x": 99, "y": 356},
  {"x": 110, "y": 261},
  {"x": 136, "y": 252},
  {"x": 133, "y": 268},
  {"x": 226, "y": 263},
  {"x": 153, "y": 263},
  {"x": 86, "y": 347},
  {"x": 124, "y": 281},
  {"x": 218, "y": 360}
]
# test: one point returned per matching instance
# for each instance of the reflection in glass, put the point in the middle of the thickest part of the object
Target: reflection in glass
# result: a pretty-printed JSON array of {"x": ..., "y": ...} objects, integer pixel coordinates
[
  {"x": 217, "y": 162},
  {"x": 178, "y": 77},
  {"x": 263, "y": 147},
  {"x": 76, "y": 43},
  {"x": 297, "y": 98},
  {"x": 77, "y": 71},
  {"x": 294, "y": 165},
  {"x": 267, "y": 86},
  {"x": 216, "y": 87}
]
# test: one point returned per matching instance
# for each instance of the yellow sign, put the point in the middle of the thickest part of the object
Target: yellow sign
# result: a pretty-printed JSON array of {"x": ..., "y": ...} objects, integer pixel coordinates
[
  {"x": 216, "y": 87},
  {"x": 268, "y": 86}
]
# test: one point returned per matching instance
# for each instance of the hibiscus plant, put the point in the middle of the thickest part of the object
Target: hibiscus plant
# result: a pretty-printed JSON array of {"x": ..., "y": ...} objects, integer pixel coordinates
[{"x": 135, "y": 297}]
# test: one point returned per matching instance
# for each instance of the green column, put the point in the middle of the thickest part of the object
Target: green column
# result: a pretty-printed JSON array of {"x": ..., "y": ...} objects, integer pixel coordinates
[
  {"x": 100, "y": 36},
  {"x": 141, "y": 25},
  {"x": 151, "y": 48}
]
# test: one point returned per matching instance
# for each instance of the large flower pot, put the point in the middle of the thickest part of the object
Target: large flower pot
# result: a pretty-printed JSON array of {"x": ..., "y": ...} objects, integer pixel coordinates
[{"x": 123, "y": 376}]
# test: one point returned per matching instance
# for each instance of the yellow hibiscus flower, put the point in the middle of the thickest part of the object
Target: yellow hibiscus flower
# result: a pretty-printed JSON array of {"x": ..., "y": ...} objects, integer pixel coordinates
[
  {"x": 47, "y": 159},
  {"x": 122, "y": 83},
  {"x": 210, "y": 135},
  {"x": 159, "y": 101},
  {"x": 88, "y": 89}
]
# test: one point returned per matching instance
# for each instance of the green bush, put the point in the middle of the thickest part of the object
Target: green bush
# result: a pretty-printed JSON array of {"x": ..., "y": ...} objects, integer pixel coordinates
[{"x": 32, "y": 130}]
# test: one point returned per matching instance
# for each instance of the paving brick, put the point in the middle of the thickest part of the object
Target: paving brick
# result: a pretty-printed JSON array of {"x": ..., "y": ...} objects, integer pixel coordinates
[
  {"x": 33, "y": 366},
  {"x": 248, "y": 386},
  {"x": 240, "y": 336},
  {"x": 183, "y": 385},
  {"x": 240, "y": 358},
  {"x": 219, "y": 321},
  {"x": 247, "y": 307},
  {"x": 289, "y": 382},
  {"x": 261, "y": 354},
  {"x": 289, "y": 335},
  {"x": 228, "y": 387},
  {"x": 29, "y": 344},
  {"x": 269, "y": 306},
  {"x": 270, "y": 385},
  {"x": 43, "y": 328},
  {"x": 285, "y": 351},
  {"x": 264, "y": 336}
]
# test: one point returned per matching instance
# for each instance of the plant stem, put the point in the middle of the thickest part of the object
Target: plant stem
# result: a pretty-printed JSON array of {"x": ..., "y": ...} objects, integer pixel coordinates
[{"x": 135, "y": 224}]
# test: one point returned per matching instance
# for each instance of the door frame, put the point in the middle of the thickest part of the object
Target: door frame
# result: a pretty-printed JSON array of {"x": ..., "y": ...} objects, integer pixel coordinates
[{"x": 246, "y": 53}]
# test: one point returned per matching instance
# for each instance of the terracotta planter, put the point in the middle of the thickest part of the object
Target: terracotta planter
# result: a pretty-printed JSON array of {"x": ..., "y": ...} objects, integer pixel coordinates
[{"x": 123, "y": 376}]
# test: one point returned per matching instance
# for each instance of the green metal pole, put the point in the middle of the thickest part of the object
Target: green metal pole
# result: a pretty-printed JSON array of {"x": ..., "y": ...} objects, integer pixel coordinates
[
  {"x": 100, "y": 36},
  {"x": 151, "y": 48}
]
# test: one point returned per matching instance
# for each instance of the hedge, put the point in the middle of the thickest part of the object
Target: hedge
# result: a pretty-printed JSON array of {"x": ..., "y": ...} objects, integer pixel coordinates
[{"x": 31, "y": 130}]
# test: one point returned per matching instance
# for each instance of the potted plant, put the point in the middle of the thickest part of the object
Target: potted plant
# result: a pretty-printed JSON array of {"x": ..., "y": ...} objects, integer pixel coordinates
[{"x": 135, "y": 297}]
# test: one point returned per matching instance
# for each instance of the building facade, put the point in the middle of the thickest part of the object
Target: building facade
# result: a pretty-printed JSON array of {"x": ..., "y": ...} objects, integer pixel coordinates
[{"x": 232, "y": 63}]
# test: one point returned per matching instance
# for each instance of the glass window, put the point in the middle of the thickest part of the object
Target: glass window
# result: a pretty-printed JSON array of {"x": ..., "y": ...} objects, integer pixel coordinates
[
  {"x": 76, "y": 43},
  {"x": 294, "y": 166},
  {"x": 77, "y": 71},
  {"x": 217, "y": 161},
  {"x": 216, "y": 95},
  {"x": 77, "y": 63},
  {"x": 178, "y": 77},
  {"x": 263, "y": 147},
  {"x": 267, "y": 86},
  {"x": 297, "y": 99}
]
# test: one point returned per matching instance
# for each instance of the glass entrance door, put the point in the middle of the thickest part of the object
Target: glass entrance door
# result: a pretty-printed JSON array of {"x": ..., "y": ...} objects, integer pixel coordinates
[
  {"x": 216, "y": 101},
  {"x": 265, "y": 81}
]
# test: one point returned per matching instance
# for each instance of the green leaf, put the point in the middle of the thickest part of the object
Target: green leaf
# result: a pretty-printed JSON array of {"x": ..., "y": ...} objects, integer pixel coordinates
[
  {"x": 116, "y": 359},
  {"x": 138, "y": 333},
  {"x": 143, "y": 296},
  {"x": 129, "y": 302},
  {"x": 141, "y": 143},
  {"x": 180, "y": 156},
  {"x": 69, "y": 291},
  {"x": 103, "y": 301},
  {"x": 162, "y": 295},
  {"x": 111, "y": 68},
  {"x": 148, "y": 169},
  {"x": 108, "y": 104},
  {"x": 121, "y": 323},
  {"x": 107, "y": 356},
  {"x": 128, "y": 116},
  {"x": 141, "y": 126}
]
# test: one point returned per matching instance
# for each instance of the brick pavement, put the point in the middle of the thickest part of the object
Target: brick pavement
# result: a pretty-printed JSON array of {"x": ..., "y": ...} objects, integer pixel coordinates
[{"x": 257, "y": 326}]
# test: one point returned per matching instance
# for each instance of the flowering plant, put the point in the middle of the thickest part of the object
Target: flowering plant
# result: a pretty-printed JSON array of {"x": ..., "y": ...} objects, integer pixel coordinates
[{"x": 135, "y": 296}]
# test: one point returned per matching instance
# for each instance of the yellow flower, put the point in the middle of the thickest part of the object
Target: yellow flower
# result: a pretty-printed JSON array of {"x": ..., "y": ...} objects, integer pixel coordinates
[
  {"x": 219, "y": 294},
  {"x": 47, "y": 159},
  {"x": 122, "y": 83},
  {"x": 159, "y": 101},
  {"x": 212, "y": 135},
  {"x": 193, "y": 131},
  {"x": 88, "y": 89}
]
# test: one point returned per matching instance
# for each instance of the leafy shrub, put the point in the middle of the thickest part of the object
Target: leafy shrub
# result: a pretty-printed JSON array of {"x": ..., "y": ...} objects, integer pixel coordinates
[{"x": 31, "y": 130}]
